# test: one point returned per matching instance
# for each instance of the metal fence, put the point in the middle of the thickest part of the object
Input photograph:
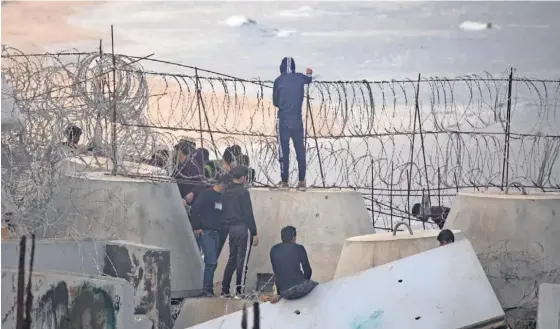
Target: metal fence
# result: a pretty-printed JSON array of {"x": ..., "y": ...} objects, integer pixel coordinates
[{"x": 392, "y": 140}]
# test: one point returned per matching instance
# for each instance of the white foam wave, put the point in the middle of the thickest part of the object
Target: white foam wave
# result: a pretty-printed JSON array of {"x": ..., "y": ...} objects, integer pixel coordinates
[
  {"x": 475, "y": 26},
  {"x": 530, "y": 26},
  {"x": 238, "y": 21},
  {"x": 285, "y": 33},
  {"x": 304, "y": 11}
]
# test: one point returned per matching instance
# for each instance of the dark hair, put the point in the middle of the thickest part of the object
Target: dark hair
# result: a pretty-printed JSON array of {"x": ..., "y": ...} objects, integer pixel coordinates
[
  {"x": 224, "y": 179},
  {"x": 205, "y": 154},
  {"x": 185, "y": 147},
  {"x": 239, "y": 171},
  {"x": 73, "y": 131},
  {"x": 288, "y": 233},
  {"x": 415, "y": 209},
  {"x": 446, "y": 236},
  {"x": 231, "y": 153},
  {"x": 244, "y": 160}
]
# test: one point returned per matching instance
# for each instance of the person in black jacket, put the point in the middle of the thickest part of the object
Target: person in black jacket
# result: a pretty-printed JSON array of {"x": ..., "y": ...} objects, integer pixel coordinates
[
  {"x": 288, "y": 260},
  {"x": 288, "y": 93},
  {"x": 206, "y": 222},
  {"x": 237, "y": 213}
]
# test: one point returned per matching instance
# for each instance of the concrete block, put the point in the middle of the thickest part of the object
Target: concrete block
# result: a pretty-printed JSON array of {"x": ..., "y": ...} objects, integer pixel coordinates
[
  {"x": 323, "y": 219},
  {"x": 63, "y": 255},
  {"x": 199, "y": 310},
  {"x": 443, "y": 287},
  {"x": 366, "y": 251},
  {"x": 148, "y": 269},
  {"x": 102, "y": 206},
  {"x": 516, "y": 239},
  {"x": 99, "y": 163},
  {"x": 70, "y": 301},
  {"x": 548, "y": 315}
]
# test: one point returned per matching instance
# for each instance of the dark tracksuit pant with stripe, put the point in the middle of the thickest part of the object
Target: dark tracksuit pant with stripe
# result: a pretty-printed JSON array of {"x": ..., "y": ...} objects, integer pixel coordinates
[
  {"x": 240, "y": 242},
  {"x": 237, "y": 211}
]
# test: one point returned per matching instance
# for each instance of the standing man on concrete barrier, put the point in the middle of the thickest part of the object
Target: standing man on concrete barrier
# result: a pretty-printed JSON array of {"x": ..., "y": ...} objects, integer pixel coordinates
[
  {"x": 206, "y": 223},
  {"x": 288, "y": 260},
  {"x": 287, "y": 95},
  {"x": 237, "y": 212}
]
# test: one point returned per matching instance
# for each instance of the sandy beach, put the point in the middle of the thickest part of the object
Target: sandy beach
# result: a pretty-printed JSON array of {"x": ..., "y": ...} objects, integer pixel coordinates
[{"x": 30, "y": 25}]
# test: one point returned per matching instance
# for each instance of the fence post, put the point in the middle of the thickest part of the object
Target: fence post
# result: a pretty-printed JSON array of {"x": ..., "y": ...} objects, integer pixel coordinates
[
  {"x": 372, "y": 196},
  {"x": 409, "y": 176},
  {"x": 114, "y": 117},
  {"x": 505, "y": 166},
  {"x": 315, "y": 137},
  {"x": 198, "y": 106}
]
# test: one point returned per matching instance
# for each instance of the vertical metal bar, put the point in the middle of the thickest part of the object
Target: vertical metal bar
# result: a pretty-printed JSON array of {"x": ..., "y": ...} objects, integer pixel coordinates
[
  {"x": 439, "y": 186},
  {"x": 391, "y": 194},
  {"x": 409, "y": 172},
  {"x": 20, "y": 283},
  {"x": 422, "y": 141},
  {"x": 408, "y": 195},
  {"x": 198, "y": 106},
  {"x": 505, "y": 166},
  {"x": 372, "y": 195},
  {"x": 315, "y": 138},
  {"x": 114, "y": 117},
  {"x": 29, "y": 295}
]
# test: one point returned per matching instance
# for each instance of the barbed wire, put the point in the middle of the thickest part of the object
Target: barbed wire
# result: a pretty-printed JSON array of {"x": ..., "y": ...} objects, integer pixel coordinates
[{"x": 391, "y": 140}]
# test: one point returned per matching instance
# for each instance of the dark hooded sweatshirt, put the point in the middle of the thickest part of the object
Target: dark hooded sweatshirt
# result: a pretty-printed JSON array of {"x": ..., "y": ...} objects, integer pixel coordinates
[
  {"x": 190, "y": 175},
  {"x": 288, "y": 91},
  {"x": 237, "y": 207}
]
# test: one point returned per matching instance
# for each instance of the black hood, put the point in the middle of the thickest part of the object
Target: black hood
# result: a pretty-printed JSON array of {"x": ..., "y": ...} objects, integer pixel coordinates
[{"x": 288, "y": 65}]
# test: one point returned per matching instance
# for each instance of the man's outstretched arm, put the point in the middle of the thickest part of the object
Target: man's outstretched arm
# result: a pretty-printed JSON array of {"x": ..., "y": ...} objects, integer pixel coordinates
[{"x": 308, "y": 76}]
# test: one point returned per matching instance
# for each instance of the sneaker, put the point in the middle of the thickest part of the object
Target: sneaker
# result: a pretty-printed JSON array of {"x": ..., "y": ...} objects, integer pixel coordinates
[
  {"x": 283, "y": 185},
  {"x": 225, "y": 295},
  {"x": 208, "y": 294},
  {"x": 301, "y": 186}
]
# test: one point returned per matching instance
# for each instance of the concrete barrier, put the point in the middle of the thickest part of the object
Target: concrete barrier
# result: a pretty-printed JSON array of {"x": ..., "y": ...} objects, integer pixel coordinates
[
  {"x": 440, "y": 288},
  {"x": 323, "y": 219},
  {"x": 99, "y": 163},
  {"x": 548, "y": 315},
  {"x": 364, "y": 252},
  {"x": 199, "y": 310},
  {"x": 63, "y": 255},
  {"x": 70, "y": 301},
  {"x": 148, "y": 269},
  {"x": 516, "y": 239},
  {"x": 102, "y": 206}
]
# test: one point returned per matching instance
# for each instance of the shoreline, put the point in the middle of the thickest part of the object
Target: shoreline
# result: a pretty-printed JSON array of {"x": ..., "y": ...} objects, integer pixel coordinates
[{"x": 30, "y": 26}]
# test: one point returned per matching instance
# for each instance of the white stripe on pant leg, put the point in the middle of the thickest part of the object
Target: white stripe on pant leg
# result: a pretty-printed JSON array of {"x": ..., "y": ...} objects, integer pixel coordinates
[
  {"x": 246, "y": 261},
  {"x": 280, "y": 155}
]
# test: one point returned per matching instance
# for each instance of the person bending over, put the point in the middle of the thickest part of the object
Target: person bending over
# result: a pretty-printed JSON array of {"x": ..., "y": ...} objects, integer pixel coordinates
[
  {"x": 237, "y": 211},
  {"x": 206, "y": 222},
  {"x": 288, "y": 260},
  {"x": 287, "y": 95}
]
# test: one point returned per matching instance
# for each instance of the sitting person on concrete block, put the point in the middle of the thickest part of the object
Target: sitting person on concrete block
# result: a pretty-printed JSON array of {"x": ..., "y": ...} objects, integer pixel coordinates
[
  {"x": 288, "y": 259},
  {"x": 206, "y": 222},
  {"x": 445, "y": 237}
]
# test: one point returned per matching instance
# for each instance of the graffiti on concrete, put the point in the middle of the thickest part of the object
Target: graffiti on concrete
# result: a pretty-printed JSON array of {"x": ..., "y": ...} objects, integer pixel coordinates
[
  {"x": 148, "y": 271},
  {"x": 79, "y": 307}
]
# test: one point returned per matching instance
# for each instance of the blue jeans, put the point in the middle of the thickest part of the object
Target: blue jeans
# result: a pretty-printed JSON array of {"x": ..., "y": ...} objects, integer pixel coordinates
[{"x": 209, "y": 242}]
